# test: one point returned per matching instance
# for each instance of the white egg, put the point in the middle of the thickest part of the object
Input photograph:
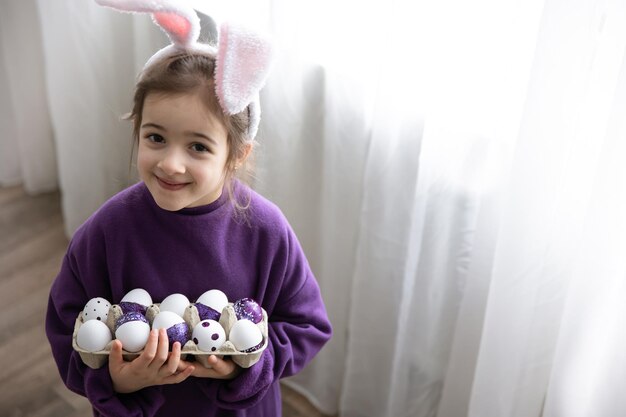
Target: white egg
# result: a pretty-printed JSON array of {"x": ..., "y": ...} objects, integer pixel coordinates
[
  {"x": 176, "y": 303},
  {"x": 208, "y": 335},
  {"x": 215, "y": 299},
  {"x": 166, "y": 319},
  {"x": 133, "y": 330},
  {"x": 139, "y": 296},
  {"x": 93, "y": 336},
  {"x": 96, "y": 309},
  {"x": 245, "y": 335}
]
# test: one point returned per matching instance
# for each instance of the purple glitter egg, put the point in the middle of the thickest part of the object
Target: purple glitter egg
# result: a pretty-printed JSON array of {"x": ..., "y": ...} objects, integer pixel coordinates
[
  {"x": 247, "y": 308},
  {"x": 131, "y": 316},
  {"x": 178, "y": 333},
  {"x": 207, "y": 313},
  {"x": 130, "y": 307},
  {"x": 133, "y": 330}
]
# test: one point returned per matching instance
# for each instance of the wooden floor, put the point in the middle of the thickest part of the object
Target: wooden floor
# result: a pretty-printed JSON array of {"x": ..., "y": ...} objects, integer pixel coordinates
[{"x": 32, "y": 244}]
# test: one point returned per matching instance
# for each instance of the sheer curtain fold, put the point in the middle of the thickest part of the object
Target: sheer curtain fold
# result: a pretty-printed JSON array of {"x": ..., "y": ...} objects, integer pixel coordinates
[
  {"x": 300, "y": 176},
  {"x": 589, "y": 366},
  {"x": 571, "y": 95},
  {"x": 26, "y": 139}
]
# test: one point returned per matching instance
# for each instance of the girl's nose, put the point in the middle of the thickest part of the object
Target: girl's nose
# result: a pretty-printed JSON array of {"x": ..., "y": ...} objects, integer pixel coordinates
[{"x": 173, "y": 162}]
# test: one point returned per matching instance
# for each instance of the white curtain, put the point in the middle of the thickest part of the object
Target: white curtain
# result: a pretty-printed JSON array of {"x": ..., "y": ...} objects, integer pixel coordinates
[
  {"x": 454, "y": 171},
  {"x": 451, "y": 176}
]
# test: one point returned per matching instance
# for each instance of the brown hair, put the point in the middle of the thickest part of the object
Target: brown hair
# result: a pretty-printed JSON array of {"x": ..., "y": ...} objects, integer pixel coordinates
[{"x": 193, "y": 73}]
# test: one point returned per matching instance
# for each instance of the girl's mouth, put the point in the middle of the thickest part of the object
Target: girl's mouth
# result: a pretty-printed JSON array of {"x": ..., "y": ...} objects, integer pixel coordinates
[{"x": 171, "y": 186}]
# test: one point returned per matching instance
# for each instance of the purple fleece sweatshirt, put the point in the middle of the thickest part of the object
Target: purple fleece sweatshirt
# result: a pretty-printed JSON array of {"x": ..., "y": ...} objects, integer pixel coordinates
[{"x": 132, "y": 243}]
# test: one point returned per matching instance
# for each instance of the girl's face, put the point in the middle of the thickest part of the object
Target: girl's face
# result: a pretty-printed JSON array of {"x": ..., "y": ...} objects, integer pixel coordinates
[{"x": 182, "y": 151}]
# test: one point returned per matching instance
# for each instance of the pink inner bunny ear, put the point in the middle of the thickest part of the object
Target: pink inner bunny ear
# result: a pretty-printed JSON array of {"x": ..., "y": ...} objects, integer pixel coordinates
[
  {"x": 182, "y": 25},
  {"x": 243, "y": 64},
  {"x": 176, "y": 26},
  {"x": 175, "y": 17}
]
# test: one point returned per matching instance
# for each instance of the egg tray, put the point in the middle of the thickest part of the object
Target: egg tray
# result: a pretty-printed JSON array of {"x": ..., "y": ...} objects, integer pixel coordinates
[{"x": 228, "y": 318}]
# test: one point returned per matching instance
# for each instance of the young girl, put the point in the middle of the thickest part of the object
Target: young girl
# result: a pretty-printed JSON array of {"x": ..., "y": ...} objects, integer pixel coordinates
[{"x": 187, "y": 227}]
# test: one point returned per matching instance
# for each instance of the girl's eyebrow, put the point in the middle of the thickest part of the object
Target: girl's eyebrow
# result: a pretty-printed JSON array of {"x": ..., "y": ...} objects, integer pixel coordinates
[
  {"x": 186, "y": 133},
  {"x": 156, "y": 126}
]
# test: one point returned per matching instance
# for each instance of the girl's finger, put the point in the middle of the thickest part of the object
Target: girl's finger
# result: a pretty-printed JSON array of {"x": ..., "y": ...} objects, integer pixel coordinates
[
  {"x": 149, "y": 351},
  {"x": 182, "y": 365},
  {"x": 172, "y": 363},
  {"x": 115, "y": 356},
  {"x": 221, "y": 366},
  {"x": 162, "y": 351}
]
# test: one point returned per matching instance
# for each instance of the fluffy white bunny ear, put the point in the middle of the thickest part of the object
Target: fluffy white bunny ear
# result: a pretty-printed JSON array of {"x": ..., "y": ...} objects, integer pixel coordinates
[
  {"x": 243, "y": 64},
  {"x": 243, "y": 58},
  {"x": 176, "y": 18}
]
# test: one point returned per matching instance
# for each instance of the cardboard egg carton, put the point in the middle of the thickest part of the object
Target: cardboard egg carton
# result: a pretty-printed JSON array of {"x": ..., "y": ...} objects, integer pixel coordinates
[{"x": 228, "y": 318}]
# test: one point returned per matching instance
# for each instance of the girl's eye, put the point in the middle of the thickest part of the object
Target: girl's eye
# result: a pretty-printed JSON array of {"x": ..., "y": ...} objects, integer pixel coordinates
[
  {"x": 198, "y": 147},
  {"x": 155, "y": 138}
]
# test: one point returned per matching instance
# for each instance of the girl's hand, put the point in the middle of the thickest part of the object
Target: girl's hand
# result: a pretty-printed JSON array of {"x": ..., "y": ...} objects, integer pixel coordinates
[
  {"x": 220, "y": 369},
  {"x": 154, "y": 366}
]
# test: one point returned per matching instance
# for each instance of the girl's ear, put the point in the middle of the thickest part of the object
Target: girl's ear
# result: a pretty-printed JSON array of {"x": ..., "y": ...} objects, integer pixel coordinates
[{"x": 247, "y": 150}]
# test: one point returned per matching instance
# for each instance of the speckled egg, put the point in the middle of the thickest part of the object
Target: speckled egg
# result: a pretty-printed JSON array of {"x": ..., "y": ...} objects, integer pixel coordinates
[
  {"x": 96, "y": 309},
  {"x": 208, "y": 335},
  {"x": 133, "y": 330},
  {"x": 247, "y": 308}
]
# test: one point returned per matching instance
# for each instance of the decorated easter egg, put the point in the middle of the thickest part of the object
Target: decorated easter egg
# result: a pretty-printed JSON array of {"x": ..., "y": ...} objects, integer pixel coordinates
[
  {"x": 247, "y": 308},
  {"x": 96, "y": 309},
  {"x": 208, "y": 335},
  {"x": 93, "y": 336},
  {"x": 133, "y": 330},
  {"x": 137, "y": 300},
  {"x": 176, "y": 303},
  {"x": 210, "y": 305},
  {"x": 177, "y": 329},
  {"x": 246, "y": 336}
]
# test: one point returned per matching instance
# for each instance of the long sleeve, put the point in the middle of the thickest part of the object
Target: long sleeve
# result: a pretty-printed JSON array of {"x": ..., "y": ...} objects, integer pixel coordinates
[{"x": 67, "y": 298}]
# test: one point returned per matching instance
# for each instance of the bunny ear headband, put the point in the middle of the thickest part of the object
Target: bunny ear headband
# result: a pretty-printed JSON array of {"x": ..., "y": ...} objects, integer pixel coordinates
[{"x": 242, "y": 57}]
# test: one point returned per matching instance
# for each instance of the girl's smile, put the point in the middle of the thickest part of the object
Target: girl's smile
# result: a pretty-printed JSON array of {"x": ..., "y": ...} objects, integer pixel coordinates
[{"x": 170, "y": 185}]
